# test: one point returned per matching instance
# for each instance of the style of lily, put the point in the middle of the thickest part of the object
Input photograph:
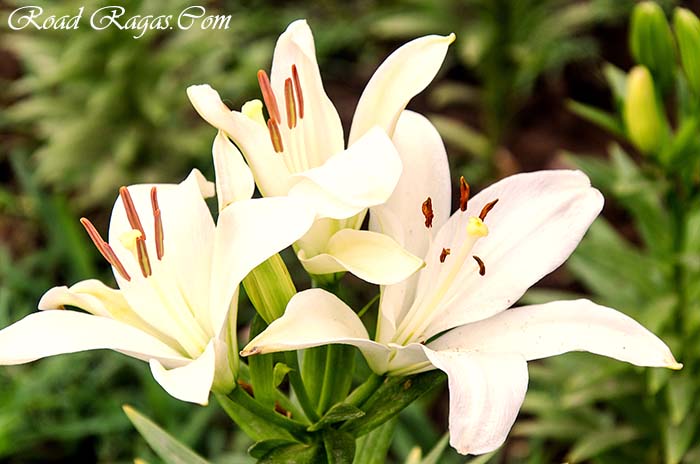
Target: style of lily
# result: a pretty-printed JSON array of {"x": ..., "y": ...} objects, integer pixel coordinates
[
  {"x": 300, "y": 149},
  {"x": 178, "y": 275},
  {"x": 453, "y": 315}
]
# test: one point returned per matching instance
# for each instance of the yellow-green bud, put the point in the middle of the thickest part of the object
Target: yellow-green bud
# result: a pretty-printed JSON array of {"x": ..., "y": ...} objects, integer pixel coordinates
[
  {"x": 687, "y": 27},
  {"x": 643, "y": 115},
  {"x": 651, "y": 42}
]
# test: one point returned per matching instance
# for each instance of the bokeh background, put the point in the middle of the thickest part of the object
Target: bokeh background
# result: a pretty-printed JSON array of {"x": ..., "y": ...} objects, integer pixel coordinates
[{"x": 83, "y": 112}]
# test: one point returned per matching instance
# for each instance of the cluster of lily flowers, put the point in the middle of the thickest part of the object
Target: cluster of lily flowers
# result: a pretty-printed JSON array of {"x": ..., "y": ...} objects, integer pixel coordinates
[{"x": 447, "y": 281}]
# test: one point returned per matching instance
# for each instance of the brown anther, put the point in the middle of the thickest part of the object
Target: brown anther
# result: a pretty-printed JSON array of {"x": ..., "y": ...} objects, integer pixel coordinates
[
  {"x": 268, "y": 95},
  {"x": 297, "y": 91},
  {"x": 142, "y": 254},
  {"x": 289, "y": 103},
  {"x": 487, "y": 207},
  {"x": 443, "y": 254},
  {"x": 482, "y": 266},
  {"x": 463, "y": 194},
  {"x": 157, "y": 224},
  {"x": 427, "y": 209},
  {"x": 104, "y": 249},
  {"x": 130, "y": 209},
  {"x": 275, "y": 135}
]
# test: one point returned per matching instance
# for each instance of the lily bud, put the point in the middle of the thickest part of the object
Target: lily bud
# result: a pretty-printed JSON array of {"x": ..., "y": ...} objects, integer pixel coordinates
[
  {"x": 642, "y": 113},
  {"x": 687, "y": 27},
  {"x": 651, "y": 42}
]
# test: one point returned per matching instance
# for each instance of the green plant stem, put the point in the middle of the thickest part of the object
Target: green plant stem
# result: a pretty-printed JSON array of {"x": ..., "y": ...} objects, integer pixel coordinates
[
  {"x": 337, "y": 376},
  {"x": 297, "y": 383},
  {"x": 364, "y": 390}
]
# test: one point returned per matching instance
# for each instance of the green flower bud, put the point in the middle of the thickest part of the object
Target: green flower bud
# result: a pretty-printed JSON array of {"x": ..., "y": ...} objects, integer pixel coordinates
[
  {"x": 651, "y": 42},
  {"x": 687, "y": 28},
  {"x": 642, "y": 113}
]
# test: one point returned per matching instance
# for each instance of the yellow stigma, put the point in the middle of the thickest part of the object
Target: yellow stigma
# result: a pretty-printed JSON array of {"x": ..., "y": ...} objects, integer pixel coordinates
[
  {"x": 128, "y": 239},
  {"x": 477, "y": 228},
  {"x": 253, "y": 109}
]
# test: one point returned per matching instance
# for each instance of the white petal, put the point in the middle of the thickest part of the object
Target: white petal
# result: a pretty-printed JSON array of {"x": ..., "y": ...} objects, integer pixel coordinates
[
  {"x": 183, "y": 274},
  {"x": 269, "y": 170},
  {"x": 364, "y": 175},
  {"x": 49, "y": 333},
  {"x": 234, "y": 181},
  {"x": 323, "y": 131},
  {"x": 248, "y": 232},
  {"x": 371, "y": 256},
  {"x": 404, "y": 74},
  {"x": 540, "y": 331},
  {"x": 537, "y": 223},
  {"x": 191, "y": 382},
  {"x": 426, "y": 173},
  {"x": 486, "y": 392},
  {"x": 316, "y": 317}
]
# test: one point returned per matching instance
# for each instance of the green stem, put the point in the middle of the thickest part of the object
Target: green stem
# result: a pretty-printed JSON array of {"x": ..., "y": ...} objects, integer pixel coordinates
[
  {"x": 337, "y": 376},
  {"x": 365, "y": 390},
  {"x": 298, "y": 385}
]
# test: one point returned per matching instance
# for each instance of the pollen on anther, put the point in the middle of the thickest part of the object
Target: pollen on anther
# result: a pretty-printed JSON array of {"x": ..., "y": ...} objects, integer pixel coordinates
[
  {"x": 104, "y": 249},
  {"x": 427, "y": 209},
  {"x": 268, "y": 95},
  {"x": 289, "y": 103},
  {"x": 443, "y": 254},
  {"x": 463, "y": 194},
  {"x": 297, "y": 91},
  {"x": 482, "y": 266},
  {"x": 487, "y": 207},
  {"x": 275, "y": 135},
  {"x": 130, "y": 209},
  {"x": 157, "y": 224}
]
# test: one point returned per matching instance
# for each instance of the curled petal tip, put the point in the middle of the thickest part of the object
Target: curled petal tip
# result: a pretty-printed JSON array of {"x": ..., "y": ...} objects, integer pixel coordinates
[
  {"x": 249, "y": 351},
  {"x": 451, "y": 38},
  {"x": 675, "y": 365}
]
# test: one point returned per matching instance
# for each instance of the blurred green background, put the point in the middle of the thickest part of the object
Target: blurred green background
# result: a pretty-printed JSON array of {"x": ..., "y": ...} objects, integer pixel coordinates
[{"x": 86, "y": 111}]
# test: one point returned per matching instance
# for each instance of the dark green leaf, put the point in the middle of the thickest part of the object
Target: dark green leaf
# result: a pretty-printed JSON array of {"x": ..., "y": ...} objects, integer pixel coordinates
[
  {"x": 294, "y": 454},
  {"x": 338, "y": 413},
  {"x": 340, "y": 446}
]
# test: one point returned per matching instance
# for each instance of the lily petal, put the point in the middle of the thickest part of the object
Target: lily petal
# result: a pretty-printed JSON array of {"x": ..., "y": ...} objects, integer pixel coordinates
[
  {"x": 234, "y": 181},
  {"x": 537, "y": 223},
  {"x": 364, "y": 175},
  {"x": 540, "y": 331},
  {"x": 269, "y": 170},
  {"x": 404, "y": 74},
  {"x": 323, "y": 131},
  {"x": 248, "y": 232},
  {"x": 486, "y": 392},
  {"x": 52, "y": 332},
  {"x": 426, "y": 174},
  {"x": 316, "y": 317},
  {"x": 191, "y": 382},
  {"x": 371, "y": 256}
]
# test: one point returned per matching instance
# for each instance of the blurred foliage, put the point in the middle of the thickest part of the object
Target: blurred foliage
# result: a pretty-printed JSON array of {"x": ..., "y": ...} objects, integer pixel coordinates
[{"x": 613, "y": 412}]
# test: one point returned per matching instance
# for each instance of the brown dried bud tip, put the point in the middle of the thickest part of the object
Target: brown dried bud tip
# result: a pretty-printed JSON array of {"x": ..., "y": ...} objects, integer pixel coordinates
[
  {"x": 443, "y": 255},
  {"x": 482, "y": 266},
  {"x": 487, "y": 207},
  {"x": 427, "y": 209},
  {"x": 463, "y": 194}
]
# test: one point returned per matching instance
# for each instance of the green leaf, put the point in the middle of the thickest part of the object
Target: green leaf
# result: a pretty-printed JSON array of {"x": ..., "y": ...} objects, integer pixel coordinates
[
  {"x": 391, "y": 398},
  {"x": 677, "y": 439},
  {"x": 434, "y": 456},
  {"x": 261, "y": 448},
  {"x": 255, "y": 426},
  {"x": 680, "y": 393},
  {"x": 596, "y": 442},
  {"x": 294, "y": 454},
  {"x": 598, "y": 117},
  {"x": 279, "y": 373},
  {"x": 373, "y": 447},
  {"x": 338, "y": 413},
  {"x": 261, "y": 370},
  {"x": 165, "y": 445},
  {"x": 340, "y": 446}
]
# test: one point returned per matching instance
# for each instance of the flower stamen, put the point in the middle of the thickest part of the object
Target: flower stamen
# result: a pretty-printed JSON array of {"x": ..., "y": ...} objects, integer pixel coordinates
[
  {"x": 427, "y": 209},
  {"x": 268, "y": 95},
  {"x": 104, "y": 249},
  {"x": 463, "y": 194},
  {"x": 275, "y": 135},
  {"x": 482, "y": 266},
  {"x": 297, "y": 90},
  {"x": 157, "y": 224},
  {"x": 443, "y": 255},
  {"x": 289, "y": 103},
  {"x": 487, "y": 207},
  {"x": 130, "y": 209}
]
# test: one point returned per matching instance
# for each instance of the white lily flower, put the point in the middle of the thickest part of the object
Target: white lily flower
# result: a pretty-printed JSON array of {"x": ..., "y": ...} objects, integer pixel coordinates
[
  {"x": 178, "y": 277},
  {"x": 453, "y": 314},
  {"x": 300, "y": 150}
]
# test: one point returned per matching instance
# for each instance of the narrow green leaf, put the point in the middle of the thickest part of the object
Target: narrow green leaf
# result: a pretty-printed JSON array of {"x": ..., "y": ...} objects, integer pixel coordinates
[
  {"x": 596, "y": 442},
  {"x": 340, "y": 446},
  {"x": 680, "y": 393},
  {"x": 373, "y": 447},
  {"x": 434, "y": 456},
  {"x": 165, "y": 445},
  {"x": 279, "y": 373},
  {"x": 598, "y": 117},
  {"x": 677, "y": 439},
  {"x": 261, "y": 368},
  {"x": 256, "y": 427},
  {"x": 338, "y": 413},
  {"x": 261, "y": 448},
  {"x": 294, "y": 454}
]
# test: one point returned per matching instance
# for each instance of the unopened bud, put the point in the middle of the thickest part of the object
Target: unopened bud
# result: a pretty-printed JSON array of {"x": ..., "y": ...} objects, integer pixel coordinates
[
  {"x": 687, "y": 27},
  {"x": 643, "y": 115},
  {"x": 651, "y": 42}
]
